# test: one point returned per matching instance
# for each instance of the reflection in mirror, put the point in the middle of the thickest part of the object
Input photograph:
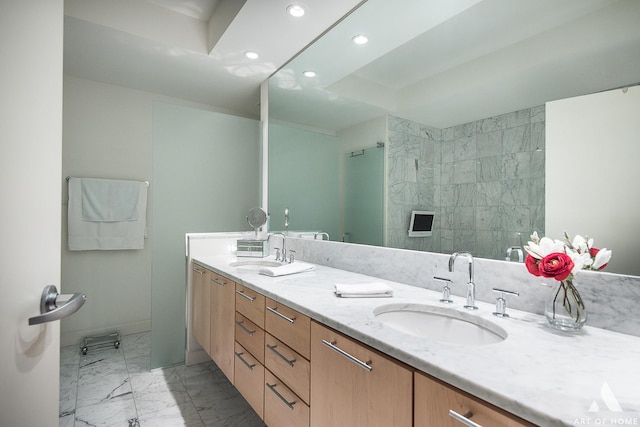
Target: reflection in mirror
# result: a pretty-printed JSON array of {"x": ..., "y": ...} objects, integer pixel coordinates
[{"x": 457, "y": 91}]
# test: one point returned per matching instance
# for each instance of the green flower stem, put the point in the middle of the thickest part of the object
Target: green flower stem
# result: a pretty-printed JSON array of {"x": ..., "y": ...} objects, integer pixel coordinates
[{"x": 570, "y": 298}]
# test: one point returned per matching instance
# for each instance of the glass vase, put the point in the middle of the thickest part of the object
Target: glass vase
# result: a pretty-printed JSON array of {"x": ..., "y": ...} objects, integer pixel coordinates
[{"x": 564, "y": 307}]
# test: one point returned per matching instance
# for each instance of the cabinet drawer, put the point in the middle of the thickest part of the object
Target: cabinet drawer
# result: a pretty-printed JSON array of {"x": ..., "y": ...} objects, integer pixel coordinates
[
  {"x": 282, "y": 407},
  {"x": 250, "y": 336},
  {"x": 250, "y": 304},
  {"x": 217, "y": 279},
  {"x": 287, "y": 365},
  {"x": 354, "y": 385},
  {"x": 249, "y": 379},
  {"x": 433, "y": 399},
  {"x": 289, "y": 326}
]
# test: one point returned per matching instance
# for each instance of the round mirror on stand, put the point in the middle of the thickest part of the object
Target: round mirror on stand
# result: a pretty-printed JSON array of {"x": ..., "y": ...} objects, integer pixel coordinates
[{"x": 257, "y": 218}]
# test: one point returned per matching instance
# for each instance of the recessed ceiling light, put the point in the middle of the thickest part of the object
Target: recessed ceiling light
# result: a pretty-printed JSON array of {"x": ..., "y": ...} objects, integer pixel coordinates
[
  {"x": 295, "y": 10},
  {"x": 309, "y": 73},
  {"x": 360, "y": 39},
  {"x": 251, "y": 55}
]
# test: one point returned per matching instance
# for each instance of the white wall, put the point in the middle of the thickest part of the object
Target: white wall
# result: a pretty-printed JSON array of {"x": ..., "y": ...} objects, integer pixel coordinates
[
  {"x": 592, "y": 173},
  {"x": 107, "y": 132}
]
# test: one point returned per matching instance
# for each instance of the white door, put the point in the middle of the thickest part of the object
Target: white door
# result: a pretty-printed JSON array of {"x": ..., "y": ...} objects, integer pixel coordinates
[{"x": 30, "y": 213}]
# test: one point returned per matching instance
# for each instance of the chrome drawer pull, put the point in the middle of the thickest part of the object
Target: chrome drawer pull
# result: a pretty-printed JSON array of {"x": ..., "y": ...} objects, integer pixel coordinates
[
  {"x": 282, "y": 316},
  {"x": 248, "y": 331},
  {"x": 272, "y": 387},
  {"x": 332, "y": 346},
  {"x": 247, "y": 364},
  {"x": 195, "y": 270},
  {"x": 464, "y": 419},
  {"x": 282, "y": 356},
  {"x": 242, "y": 294},
  {"x": 214, "y": 280}
]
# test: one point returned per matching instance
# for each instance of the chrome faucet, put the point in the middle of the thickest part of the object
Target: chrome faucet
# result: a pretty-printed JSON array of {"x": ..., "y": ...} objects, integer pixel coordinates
[
  {"x": 517, "y": 250},
  {"x": 281, "y": 256},
  {"x": 471, "y": 287},
  {"x": 286, "y": 220},
  {"x": 322, "y": 235}
]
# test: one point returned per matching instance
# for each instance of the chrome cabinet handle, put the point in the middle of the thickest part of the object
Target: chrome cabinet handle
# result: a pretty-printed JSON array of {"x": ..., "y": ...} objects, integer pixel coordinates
[
  {"x": 216, "y": 281},
  {"x": 242, "y": 294},
  {"x": 247, "y": 364},
  {"x": 332, "y": 346},
  {"x": 55, "y": 306},
  {"x": 248, "y": 331},
  {"x": 282, "y": 316},
  {"x": 282, "y": 356},
  {"x": 195, "y": 270},
  {"x": 464, "y": 419},
  {"x": 272, "y": 387}
]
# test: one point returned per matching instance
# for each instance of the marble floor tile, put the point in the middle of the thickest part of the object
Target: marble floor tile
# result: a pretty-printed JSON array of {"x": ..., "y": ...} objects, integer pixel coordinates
[
  {"x": 99, "y": 389},
  {"x": 181, "y": 415},
  {"x": 115, "y": 412},
  {"x": 114, "y": 387}
]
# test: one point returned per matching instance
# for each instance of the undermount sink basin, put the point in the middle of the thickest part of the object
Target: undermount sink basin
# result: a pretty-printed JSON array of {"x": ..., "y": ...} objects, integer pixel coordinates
[
  {"x": 440, "y": 324},
  {"x": 255, "y": 264}
]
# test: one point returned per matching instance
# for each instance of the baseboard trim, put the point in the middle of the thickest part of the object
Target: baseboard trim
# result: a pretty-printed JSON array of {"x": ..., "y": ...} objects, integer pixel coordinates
[{"x": 68, "y": 338}]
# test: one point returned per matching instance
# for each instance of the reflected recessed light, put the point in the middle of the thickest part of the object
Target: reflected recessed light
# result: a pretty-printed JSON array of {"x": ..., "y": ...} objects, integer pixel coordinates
[
  {"x": 295, "y": 10},
  {"x": 309, "y": 73},
  {"x": 360, "y": 39},
  {"x": 251, "y": 55}
]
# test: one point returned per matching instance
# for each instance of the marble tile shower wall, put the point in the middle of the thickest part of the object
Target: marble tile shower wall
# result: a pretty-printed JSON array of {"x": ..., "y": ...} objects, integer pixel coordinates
[
  {"x": 413, "y": 178},
  {"x": 485, "y": 179}
]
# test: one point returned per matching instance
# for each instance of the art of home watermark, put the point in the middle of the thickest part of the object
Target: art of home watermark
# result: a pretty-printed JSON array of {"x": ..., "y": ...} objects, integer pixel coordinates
[{"x": 606, "y": 411}]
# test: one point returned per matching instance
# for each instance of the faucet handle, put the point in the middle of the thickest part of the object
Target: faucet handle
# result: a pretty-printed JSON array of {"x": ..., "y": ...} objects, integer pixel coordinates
[
  {"x": 277, "y": 253},
  {"x": 446, "y": 290},
  {"x": 501, "y": 302},
  {"x": 292, "y": 257}
]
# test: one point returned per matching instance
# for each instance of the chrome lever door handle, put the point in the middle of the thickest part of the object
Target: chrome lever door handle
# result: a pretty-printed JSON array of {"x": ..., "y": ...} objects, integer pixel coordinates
[{"x": 55, "y": 306}]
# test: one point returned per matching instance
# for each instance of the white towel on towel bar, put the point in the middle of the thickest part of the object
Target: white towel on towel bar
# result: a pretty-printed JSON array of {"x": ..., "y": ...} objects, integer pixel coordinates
[
  {"x": 364, "y": 290},
  {"x": 105, "y": 234},
  {"x": 109, "y": 200}
]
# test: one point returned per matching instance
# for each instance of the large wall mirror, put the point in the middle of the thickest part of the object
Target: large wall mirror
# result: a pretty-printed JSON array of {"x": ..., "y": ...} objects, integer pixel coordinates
[{"x": 443, "y": 110}]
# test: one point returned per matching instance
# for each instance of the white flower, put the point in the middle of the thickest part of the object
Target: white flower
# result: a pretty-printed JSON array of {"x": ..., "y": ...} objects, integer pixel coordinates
[
  {"x": 544, "y": 247},
  {"x": 578, "y": 249},
  {"x": 580, "y": 244},
  {"x": 580, "y": 260},
  {"x": 601, "y": 258}
]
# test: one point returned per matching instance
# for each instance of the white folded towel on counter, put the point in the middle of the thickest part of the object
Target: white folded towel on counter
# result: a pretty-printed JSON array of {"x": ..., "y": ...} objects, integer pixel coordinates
[
  {"x": 364, "y": 290},
  {"x": 283, "y": 270}
]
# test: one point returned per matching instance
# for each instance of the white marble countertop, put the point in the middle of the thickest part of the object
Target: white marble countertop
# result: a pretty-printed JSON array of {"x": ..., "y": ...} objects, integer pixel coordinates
[{"x": 539, "y": 374}]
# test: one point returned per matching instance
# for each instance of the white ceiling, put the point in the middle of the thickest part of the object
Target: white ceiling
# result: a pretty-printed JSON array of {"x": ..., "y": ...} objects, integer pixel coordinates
[
  {"x": 445, "y": 62},
  {"x": 191, "y": 49}
]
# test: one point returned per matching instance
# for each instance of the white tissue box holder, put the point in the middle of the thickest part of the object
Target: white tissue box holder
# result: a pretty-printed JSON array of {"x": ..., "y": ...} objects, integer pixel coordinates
[{"x": 253, "y": 248}]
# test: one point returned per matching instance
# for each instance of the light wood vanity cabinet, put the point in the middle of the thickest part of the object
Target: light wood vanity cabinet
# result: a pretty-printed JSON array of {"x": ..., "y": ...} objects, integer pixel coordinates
[
  {"x": 433, "y": 399},
  {"x": 354, "y": 385},
  {"x": 290, "y": 326},
  {"x": 201, "y": 300},
  {"x": 249, "y": 379},
  {"x": 282, "y": 407},
  {"x": 249, "y": 346},
  {"x": 288, "y": 374},
  {"x": 250, "y": 336},
  {"x": 295, "y": 372},
  {"x": 222, "y": 321}
]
